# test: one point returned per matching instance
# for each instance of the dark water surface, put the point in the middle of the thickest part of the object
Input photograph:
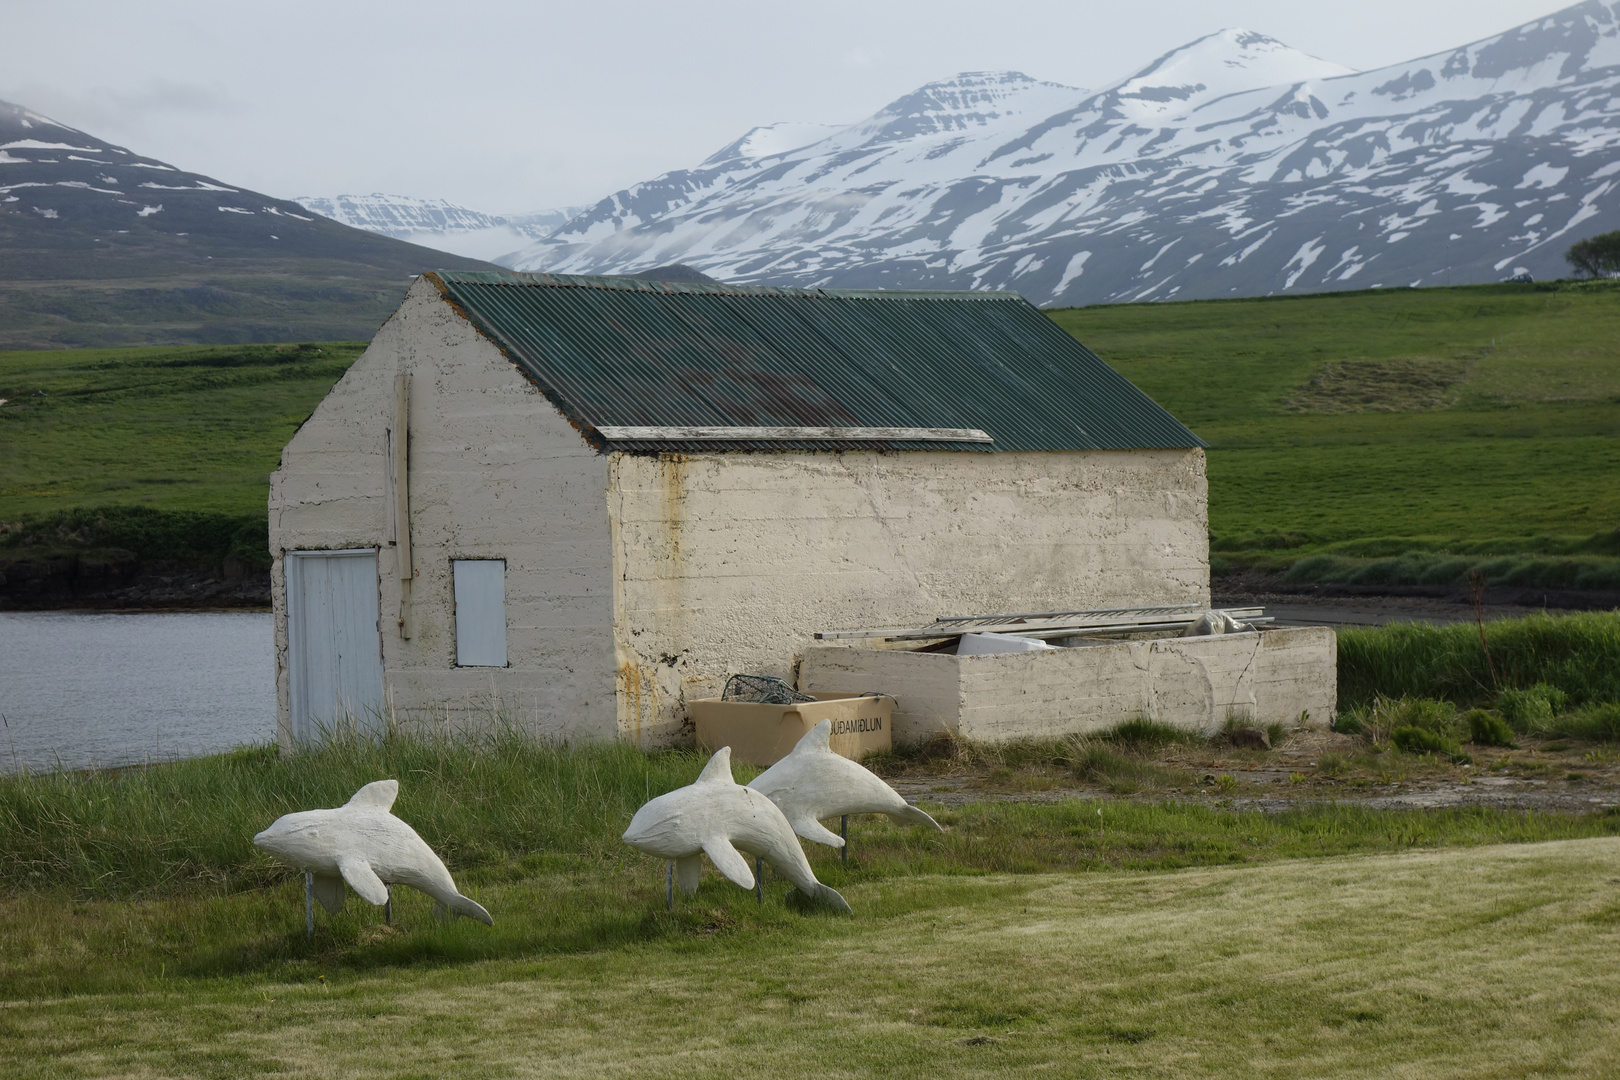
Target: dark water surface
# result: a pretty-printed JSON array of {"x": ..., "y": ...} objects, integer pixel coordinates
[{"x": 81, "y": 689}]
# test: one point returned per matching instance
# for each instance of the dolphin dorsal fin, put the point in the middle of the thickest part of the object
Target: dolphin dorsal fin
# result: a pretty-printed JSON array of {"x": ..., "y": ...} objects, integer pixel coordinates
[
  {"x": 378, "y": 795},
  {"x": 816, "y": 739},
  {"x": 718, "y": 770}
]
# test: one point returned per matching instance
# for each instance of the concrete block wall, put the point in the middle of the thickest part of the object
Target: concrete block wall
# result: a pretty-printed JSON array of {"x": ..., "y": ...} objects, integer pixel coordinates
[
  {"x": 730, "y": 562},
  {"x": 1284, "y": 676}
]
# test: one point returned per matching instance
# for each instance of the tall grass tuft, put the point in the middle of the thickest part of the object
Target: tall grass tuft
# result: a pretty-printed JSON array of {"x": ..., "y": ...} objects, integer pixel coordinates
[
  {"x": 190, "y": 824},
  {"x": 1532, "y": 708},
  {"x": 1600, "y": 723},
  {"x": 1576, "y": 655},
  {"x": 1133, "y": 736},
  {"x": 1144, "y": 734},
  {"x": 1487, "y": 729}
]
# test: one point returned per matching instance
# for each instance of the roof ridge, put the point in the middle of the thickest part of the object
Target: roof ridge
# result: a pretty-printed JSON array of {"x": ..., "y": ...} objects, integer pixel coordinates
[{"x": 628, "y": 283}]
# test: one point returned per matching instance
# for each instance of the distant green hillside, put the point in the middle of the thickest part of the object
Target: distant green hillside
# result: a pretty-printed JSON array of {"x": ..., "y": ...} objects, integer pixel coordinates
[
  {"x": 114, "y": 456},
  {"x": 1398, "y": 436},
  {"x": 1391, "y": 437},
  {"x": 195, "y": 428}
]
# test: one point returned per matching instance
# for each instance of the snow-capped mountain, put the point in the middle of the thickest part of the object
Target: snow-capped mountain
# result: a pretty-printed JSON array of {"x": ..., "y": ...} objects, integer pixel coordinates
[
  {"x": 766, "y": 141},
  {"x": 1231, "y": 166},
  {"x": 939, "y": 131},
  {"x": 105, "y": 246},
  {"x": 436, "y": 223}
]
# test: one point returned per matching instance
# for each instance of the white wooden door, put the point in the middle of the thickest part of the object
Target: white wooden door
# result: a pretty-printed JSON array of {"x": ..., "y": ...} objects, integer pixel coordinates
[{"x": 334, "y": 646}]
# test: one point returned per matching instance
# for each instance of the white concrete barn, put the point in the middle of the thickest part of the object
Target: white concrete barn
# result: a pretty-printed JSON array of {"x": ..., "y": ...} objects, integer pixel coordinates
[{"x": 580, "y": 502}]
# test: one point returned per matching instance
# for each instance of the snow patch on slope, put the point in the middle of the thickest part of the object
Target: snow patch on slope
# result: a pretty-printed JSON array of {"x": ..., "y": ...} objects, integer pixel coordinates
[{"x": 438, "y": 223}]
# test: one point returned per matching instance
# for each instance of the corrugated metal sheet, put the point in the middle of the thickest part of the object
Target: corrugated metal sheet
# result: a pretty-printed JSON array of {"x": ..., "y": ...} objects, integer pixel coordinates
[{"x": 620, "y": 352}]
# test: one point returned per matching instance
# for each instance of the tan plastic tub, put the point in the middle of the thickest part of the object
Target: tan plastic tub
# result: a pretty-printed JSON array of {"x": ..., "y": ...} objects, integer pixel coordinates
[{"x": 763, "y": 734}]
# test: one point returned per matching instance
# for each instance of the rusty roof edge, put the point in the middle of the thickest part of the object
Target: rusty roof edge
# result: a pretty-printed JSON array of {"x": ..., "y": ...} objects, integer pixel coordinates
[
  {"x": 627, "y": 283},
  {"x": 789, "y": 433},
  {"x": 586, "y": 429}
]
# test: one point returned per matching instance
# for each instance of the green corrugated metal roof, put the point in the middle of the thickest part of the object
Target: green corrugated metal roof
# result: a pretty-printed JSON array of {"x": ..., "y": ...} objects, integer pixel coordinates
[{"x": 620, "y": 352}]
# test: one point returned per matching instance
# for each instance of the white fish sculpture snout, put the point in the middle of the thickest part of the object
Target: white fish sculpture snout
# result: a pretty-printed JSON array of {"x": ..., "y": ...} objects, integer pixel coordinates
[
  {"x": 364, "y": 844},
  {"x": 719, "y": 817},
  {"x": 814, "y": 782}
]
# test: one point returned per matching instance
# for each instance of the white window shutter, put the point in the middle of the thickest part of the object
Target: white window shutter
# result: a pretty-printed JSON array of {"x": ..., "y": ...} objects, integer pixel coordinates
[{"x": 480, "y": 612}]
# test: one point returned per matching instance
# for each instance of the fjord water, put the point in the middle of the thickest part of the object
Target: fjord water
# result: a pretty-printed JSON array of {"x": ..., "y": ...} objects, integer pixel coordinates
[{"x": 96, "y": 689}]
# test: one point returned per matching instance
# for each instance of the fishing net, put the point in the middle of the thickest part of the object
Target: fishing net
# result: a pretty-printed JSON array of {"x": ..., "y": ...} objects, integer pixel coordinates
[{"x": 762, "y": 690}]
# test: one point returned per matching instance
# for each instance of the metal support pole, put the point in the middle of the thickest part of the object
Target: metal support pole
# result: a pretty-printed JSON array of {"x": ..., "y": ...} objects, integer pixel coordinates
[
  {"x": 669, "y": 888},
  {"x": 759, "y": 879},
  {"x": 843, "y": 852},
  {"x": 388, "y": 906},
  {"x": 309, "y": 904}
]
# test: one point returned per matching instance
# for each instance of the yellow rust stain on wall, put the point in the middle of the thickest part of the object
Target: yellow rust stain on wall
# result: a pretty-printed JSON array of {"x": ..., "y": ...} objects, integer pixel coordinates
[
  {"x": 638, "y": 700},
  {"x": 672, "y": 572},
  {"x": 645, "y": 683},
  {"x": 672, "y": 474}
]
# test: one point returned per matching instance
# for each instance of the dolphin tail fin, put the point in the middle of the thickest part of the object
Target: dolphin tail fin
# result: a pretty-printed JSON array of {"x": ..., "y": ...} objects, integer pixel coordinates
[
  {"x": 729, "y": 861},
  {"x": 687, "y": 872},
  {"x": 914, "y": 815},
  {"x": 377, "y": 795},
  {"x": 363, "y": 879},
  {"x": 718, "y": 770},
  {"x": 330, "y": 892},
  {"x": 469, "y": 908},
  {"x": 814, "y": 831},
  {"x": 461, "y": 905},
  {"x": 831, "y": 897}
]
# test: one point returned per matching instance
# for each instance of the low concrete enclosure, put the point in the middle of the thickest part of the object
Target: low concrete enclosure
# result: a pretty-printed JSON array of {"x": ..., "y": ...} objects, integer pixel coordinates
[
  {"x": 1284, "y": 675},
  {"x": 575, "y": 504}
]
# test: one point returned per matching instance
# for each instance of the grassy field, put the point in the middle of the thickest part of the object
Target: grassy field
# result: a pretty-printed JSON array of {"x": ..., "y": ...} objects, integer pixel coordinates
[
  {"x": 1482, "y": 421},
  {"x": 160, "y": 453},
  {"x": 141, "y": 934},
  {"x": 1390, "y": 437},
  {"x": 1455, "y": 963},
  {"x": 196, "y": 429}
]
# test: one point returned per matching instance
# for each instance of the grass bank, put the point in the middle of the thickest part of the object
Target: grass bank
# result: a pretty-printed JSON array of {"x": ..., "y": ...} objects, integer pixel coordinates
[
  {"x": 120, "y": 533},
  {"x": 1589, "y": 563},
  {"x": 507, "y": 804},
  {"x": 1575, "y": 656}
]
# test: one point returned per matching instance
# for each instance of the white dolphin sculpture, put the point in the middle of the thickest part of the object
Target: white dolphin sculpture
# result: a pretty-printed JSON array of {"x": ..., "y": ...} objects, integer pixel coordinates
[
  {"x": 813, "y": 782},
  {"x": 719, "y": 816},
  {"x": 362, "y": 843}
]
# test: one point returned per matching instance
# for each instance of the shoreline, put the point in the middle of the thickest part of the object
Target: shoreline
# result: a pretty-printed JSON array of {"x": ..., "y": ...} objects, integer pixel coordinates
[{"x": 72, "y": 584}]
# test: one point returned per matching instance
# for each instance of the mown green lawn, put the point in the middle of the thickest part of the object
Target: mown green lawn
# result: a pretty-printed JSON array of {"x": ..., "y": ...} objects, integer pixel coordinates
[
  {"x": 141, "y": 934},
  {"x": 1481, "y": 962}
]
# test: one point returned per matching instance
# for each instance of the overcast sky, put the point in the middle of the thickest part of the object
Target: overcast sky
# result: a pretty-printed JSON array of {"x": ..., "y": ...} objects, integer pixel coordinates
[{"x": 507, "y": 107}]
